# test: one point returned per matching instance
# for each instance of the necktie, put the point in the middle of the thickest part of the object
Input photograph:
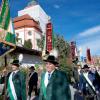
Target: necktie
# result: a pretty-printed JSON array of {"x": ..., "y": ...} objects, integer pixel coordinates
[
  {"x": 13, "y": 74},
  {"x": 49, "y": 75}
]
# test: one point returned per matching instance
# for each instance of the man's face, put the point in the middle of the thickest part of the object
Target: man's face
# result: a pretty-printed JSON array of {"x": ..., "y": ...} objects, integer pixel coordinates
[
  {"x": 50, "y": 67},
  {"x": 14, "y": 67},
  {"x": 31, "y": 70},
  {"x": 86, "y": 70},
  {"x": 93, "y": 70}
]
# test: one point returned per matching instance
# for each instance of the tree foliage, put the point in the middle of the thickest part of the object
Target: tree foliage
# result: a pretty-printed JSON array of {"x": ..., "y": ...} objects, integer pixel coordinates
[
  {"x": 28, "y": 44},
  {"x": 63, "y": 48},
  {"x": 40, "y": 42}
]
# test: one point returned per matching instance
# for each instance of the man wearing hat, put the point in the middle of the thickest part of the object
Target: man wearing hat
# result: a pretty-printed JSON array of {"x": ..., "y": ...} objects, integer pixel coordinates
[
  {"x": 33, "y": 79},
  {"x": 15, "y": 83},
  {"x": 54, "y": 83},
  {"x": 86, "y": 86}
]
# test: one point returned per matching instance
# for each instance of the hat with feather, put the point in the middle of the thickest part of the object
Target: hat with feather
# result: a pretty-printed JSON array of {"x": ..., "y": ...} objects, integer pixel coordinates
[{"x": 52, "y": 57}]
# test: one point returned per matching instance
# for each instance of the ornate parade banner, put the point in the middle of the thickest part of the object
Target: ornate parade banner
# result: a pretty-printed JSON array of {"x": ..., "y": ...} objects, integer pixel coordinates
[
  {"x": 88, "y": 55},
  {"x": 49, "y": 37},
  {"x": 7, "y": 36}
]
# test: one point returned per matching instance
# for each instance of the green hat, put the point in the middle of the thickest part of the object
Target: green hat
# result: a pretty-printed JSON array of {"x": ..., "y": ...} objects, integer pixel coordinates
[
  {"x": 15, "y": 62},
  {"x": 51, "y": 59}
]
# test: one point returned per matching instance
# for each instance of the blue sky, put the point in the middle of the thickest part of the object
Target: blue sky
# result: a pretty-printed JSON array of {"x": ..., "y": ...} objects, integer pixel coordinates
[{"x": 76, "y": 20}]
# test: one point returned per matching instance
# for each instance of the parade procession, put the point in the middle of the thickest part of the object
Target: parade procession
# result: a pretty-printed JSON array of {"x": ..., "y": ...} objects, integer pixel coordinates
[{"x": 49, "y": 50}]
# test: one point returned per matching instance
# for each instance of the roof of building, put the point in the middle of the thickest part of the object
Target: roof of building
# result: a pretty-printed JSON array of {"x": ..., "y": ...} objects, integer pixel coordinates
[{"x": 26, "y": 21}]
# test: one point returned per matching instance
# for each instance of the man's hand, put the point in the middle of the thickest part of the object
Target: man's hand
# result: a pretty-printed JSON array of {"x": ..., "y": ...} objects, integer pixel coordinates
[{"x": 97, "y": 92}]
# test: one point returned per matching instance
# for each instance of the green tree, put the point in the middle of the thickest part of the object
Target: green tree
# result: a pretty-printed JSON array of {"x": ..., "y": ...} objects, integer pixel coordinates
[
  {"x": 28, "y": 44},
  {"x": 40, "y": 42},
  {"x": 63, "y": 48}
]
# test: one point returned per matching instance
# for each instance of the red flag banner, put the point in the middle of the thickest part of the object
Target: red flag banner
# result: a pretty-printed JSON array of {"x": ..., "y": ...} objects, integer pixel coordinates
[
  {"x": 49, "y": 37},
  {"x": 88, "y": 55}
]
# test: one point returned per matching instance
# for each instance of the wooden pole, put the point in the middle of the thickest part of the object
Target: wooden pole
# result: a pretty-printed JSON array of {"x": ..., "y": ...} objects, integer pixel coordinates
[
  {"x": 5, "y": 58},
  {"x": 5, "y": 85}
]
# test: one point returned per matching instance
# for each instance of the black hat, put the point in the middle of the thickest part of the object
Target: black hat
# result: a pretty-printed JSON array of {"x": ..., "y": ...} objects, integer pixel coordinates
[
  {"x": 85, "y": 66},
  {"x": 15, "y": 62},
  {"x": 51, "y": 59},
  {"x": 32, "y": 67}
]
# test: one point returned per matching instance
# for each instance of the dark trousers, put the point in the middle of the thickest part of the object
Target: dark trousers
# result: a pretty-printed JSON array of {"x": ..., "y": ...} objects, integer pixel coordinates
[
  {"x": 78, "y": 96},
  {"x": 32, "y": 88}
]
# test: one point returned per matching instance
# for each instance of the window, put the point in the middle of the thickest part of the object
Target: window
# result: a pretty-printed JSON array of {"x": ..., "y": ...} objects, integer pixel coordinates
[
  {"x": 17, "y": 34},
  {"x": 30, "y": 33}
]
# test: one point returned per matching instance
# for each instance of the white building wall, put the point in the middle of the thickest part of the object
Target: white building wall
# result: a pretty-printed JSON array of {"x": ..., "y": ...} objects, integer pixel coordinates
[
  {"x": 37, "y": 13},
  {"x": 27, "y": 36},
  {"x": 37, "y": 36},
  {"x": 23, "y": 34},
  {"x": 32, "y": 11}
]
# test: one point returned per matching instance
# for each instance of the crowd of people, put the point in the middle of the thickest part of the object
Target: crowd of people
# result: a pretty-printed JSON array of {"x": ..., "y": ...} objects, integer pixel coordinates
[
  {"x": 54, "y": 84},
  {"x": 86, "y": 82}
]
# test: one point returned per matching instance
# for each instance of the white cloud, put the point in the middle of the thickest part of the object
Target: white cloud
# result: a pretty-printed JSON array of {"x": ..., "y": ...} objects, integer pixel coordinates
[
  {"x": 93, "y": 45},
  {"x": 56, "y": 6},
  {"x": 90, "y": 32}
]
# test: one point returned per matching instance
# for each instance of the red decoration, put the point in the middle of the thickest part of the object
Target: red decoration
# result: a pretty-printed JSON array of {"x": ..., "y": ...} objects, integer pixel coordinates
[
  {"x": 88, "y": 55},
  {"x": 49, "y": 37}
]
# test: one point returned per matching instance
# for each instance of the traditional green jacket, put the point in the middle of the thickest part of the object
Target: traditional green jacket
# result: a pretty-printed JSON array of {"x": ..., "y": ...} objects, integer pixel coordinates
[
  {"x": 19, "y": 84},
  {"x": 57, "y": 88}
]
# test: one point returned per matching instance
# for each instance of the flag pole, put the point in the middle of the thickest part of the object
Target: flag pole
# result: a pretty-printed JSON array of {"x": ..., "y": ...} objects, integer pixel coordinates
[
  {"x": 5, "y": 58},
  {"x": 4, "y": 26},
  {"x": 5, "y": 86}
]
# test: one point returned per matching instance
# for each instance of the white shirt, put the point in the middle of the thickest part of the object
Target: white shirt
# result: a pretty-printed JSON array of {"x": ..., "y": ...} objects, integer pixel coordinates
[
  {"x": 46, "y": 81},
  {"x": 99, "y": 72},
  {"x": 14, "y": 72}
]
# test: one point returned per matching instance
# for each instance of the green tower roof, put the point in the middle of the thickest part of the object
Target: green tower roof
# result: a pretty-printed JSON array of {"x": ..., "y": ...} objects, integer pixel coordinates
[{"x": 32, "y": 2}]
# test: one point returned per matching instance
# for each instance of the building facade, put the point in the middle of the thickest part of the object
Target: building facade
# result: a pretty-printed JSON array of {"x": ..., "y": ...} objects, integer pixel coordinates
[{"x": 31, "y": 25}]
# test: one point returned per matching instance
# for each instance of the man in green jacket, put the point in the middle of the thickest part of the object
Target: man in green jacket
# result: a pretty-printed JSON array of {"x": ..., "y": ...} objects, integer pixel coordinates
[
  {"x": 54, "y": 83},
  {"x": 15, "y": 83}
]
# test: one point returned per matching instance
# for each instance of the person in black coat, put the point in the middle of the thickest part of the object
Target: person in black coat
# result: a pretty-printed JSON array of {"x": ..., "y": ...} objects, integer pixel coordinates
[
  {"x": 96, "y": 83},
  {"x": 33, "y": 79}
]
